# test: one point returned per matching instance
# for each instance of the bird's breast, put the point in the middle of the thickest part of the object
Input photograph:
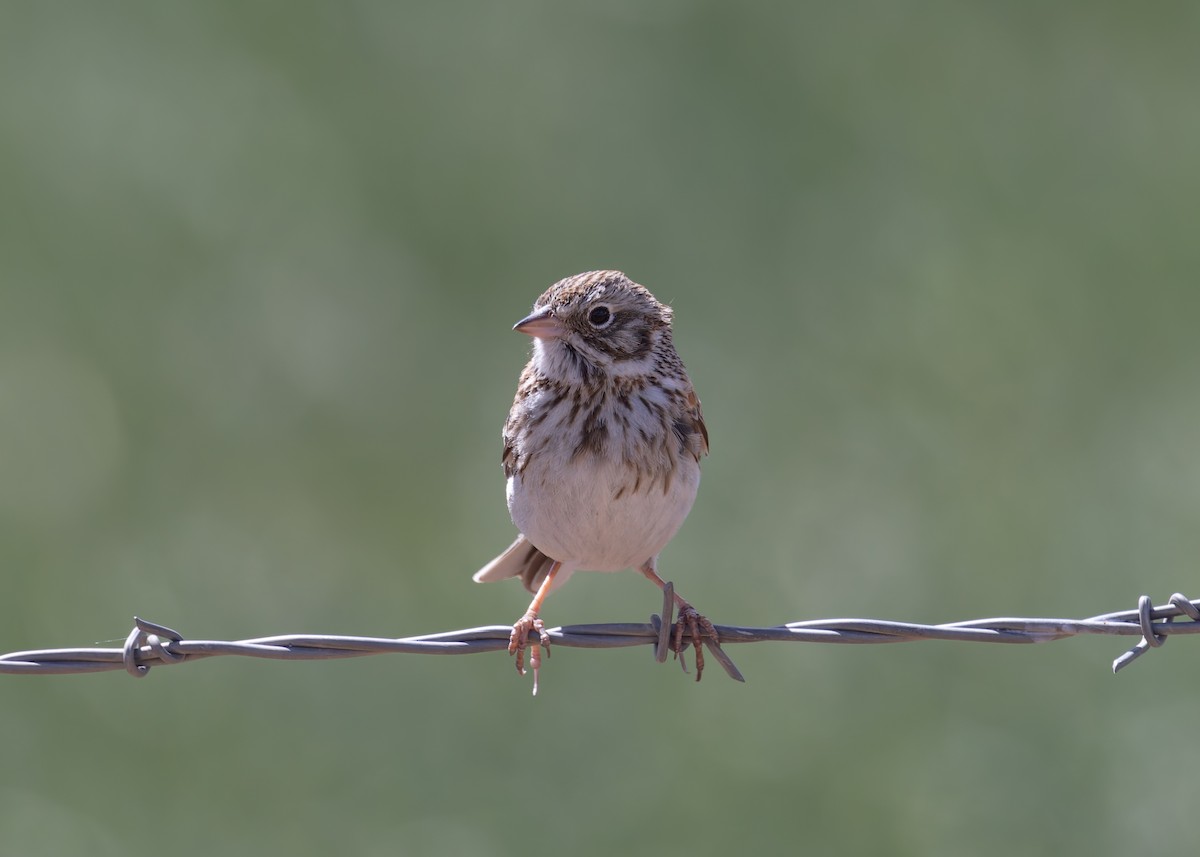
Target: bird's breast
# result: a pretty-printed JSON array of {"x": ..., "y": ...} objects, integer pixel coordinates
[{"x": 600, "y": 512}]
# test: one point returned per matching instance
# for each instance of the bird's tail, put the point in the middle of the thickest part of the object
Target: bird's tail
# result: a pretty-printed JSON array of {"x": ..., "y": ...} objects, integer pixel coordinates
[{"x": 521, "y": 560}]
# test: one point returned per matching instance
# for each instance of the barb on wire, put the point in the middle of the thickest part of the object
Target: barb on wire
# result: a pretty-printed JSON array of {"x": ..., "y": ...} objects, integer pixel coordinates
[{"x": 150, "y": 644}]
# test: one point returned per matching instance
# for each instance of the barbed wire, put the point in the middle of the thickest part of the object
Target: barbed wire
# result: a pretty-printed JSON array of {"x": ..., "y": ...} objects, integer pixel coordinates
[{"x": 150, "y": 644}]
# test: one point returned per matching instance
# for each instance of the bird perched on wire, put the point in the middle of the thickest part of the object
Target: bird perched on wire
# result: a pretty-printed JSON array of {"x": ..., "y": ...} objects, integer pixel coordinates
[{"x": 602, "y": 448}]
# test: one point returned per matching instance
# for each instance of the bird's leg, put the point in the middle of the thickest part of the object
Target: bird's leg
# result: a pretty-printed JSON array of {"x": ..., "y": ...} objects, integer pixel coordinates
[
  {"x": 517, "y": 640},
  {"x": 697, "y": 625}
]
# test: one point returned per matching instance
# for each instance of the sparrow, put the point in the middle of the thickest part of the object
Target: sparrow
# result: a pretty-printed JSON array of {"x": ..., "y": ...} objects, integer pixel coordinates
[{"x": 602, "y": 448}]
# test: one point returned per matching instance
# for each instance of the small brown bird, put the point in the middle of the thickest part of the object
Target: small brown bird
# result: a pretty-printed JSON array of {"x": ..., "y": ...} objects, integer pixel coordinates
[{"x": 602, "y": 447}]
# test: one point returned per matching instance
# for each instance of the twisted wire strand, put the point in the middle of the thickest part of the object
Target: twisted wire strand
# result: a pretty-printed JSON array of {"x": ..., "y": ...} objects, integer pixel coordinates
[{"x": 150, "y": 644}]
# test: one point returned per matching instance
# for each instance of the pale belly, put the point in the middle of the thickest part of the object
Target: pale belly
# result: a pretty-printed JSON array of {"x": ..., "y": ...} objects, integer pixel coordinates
[{"x": 570, "y": 513}]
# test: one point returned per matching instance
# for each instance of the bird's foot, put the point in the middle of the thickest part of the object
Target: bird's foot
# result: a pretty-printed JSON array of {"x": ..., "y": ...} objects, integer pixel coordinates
[
  {"x": 698, "y": 627},
  {"x": 518, "y": 641}
]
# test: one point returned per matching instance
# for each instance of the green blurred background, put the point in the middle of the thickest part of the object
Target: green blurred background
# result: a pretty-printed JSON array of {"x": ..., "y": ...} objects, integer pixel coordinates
[{"x": 933, "y": 267}]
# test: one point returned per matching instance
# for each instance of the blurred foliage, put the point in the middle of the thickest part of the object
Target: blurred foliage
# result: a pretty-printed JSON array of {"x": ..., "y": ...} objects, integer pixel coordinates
[{"x": 933, "y": 267}]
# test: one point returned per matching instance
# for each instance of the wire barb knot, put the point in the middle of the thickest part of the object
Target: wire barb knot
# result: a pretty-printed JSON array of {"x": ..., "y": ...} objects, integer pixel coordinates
[
  {"x": 1151, "y": 638},
  {"x": 149, "y": 634}
]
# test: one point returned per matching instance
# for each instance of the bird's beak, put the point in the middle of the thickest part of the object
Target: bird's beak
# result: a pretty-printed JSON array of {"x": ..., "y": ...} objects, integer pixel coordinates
[{"x": 541, "y": 324}]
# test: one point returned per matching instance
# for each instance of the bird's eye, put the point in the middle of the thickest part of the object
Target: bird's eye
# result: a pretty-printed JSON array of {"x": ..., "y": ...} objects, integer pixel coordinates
[{"x": 600, "y": 317}]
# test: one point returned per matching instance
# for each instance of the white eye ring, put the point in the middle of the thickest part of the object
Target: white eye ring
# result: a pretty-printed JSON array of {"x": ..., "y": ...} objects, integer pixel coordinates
[{"x": 600, "y": 316}]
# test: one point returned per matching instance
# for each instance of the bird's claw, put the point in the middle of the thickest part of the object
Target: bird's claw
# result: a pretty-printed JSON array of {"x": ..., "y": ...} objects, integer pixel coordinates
[
  {"x": 518, "y": 641},
  {"x": 698, "y": 627}
]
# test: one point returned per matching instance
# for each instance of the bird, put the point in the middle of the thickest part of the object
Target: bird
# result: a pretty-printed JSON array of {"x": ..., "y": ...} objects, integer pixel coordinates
[{"x": 602, "y": 449}]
